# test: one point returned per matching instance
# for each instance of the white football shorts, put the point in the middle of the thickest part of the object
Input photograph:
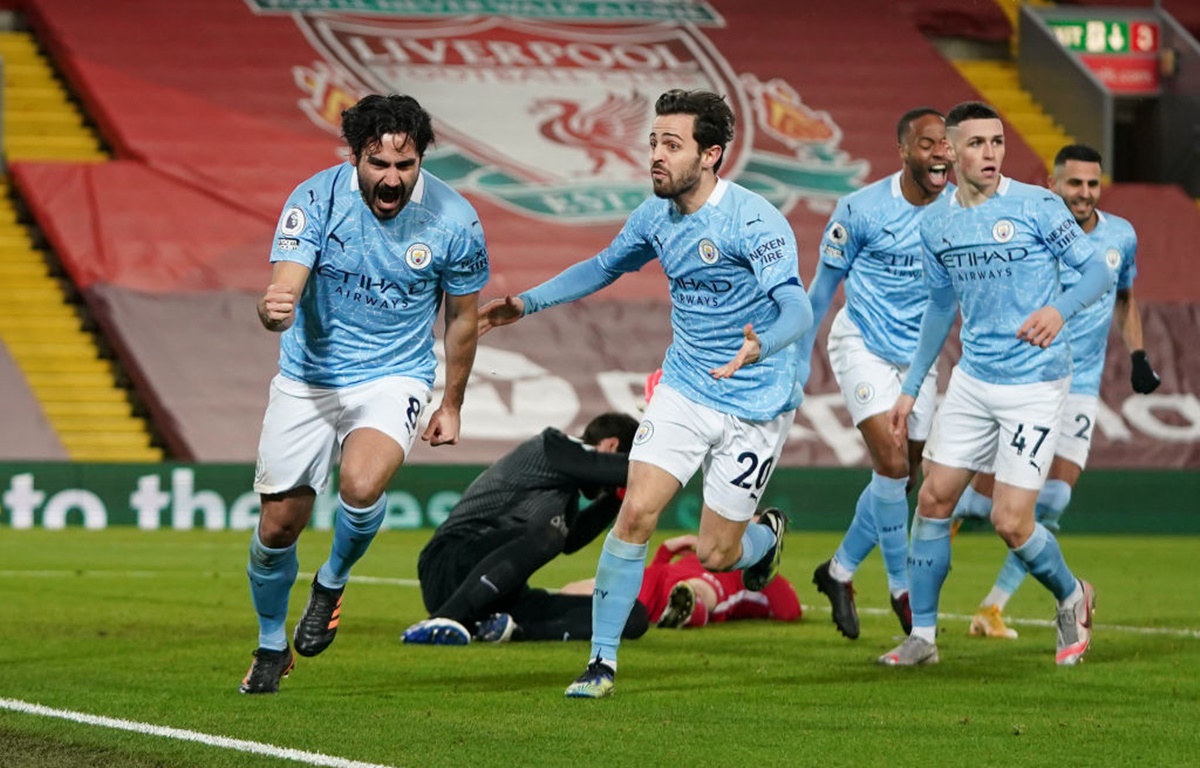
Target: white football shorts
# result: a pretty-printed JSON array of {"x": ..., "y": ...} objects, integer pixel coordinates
[
  {"x": 1013, "y": 428},
  {"x": 737, "y": 455},
  {"x": 870, "y": 384},
  {"x": 304, "y": 426},
  {"x": 1078, "y": 424}
]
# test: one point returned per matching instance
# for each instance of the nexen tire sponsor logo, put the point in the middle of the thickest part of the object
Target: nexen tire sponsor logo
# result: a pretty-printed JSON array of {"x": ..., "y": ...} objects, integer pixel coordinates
[
  {"x": 768, "y": 251},
  {"x": 1064, "y": 234}
]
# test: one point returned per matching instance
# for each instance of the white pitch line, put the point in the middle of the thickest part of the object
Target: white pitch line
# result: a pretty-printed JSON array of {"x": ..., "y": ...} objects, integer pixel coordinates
[
  {"x": 386, "y": 581},
  {"x": 96, "y": 573},
  {"x": 240, "y": 745},
  {"x": 58, "y": 574}
]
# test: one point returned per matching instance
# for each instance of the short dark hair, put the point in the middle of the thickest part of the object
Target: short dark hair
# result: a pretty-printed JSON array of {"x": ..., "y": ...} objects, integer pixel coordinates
[
  {"x": 908, "y": 118},
  {"x": 613, "y": 424},
  {"x": 365, "y": 124},
  {"x": 714, "y": 119},
  {"x": 1081, "y": 152},
  {"x": 970, "y": 110}
]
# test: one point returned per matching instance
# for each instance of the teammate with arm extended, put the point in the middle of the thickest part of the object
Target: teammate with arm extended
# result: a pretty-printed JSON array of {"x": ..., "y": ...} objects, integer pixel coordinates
[
  {"x": 729, "y": 388},
  {"x": 994, "y": 249},
  {"x": 364, "y": 255},
  {"x": 872, "y": 241},
  {"x": 1076, "y": 178}
]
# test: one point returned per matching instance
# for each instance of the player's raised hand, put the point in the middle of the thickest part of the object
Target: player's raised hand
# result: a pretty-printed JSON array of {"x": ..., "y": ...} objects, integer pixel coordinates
[
  {"x": 898, "y": 419},
  {"x": 1040, "y": 328},
  {"x": 277, "y": 308},
  {"x": 498, "y": 312},
  {"x": 747, "y": 355},
  {"x": 443, "y": 427}
]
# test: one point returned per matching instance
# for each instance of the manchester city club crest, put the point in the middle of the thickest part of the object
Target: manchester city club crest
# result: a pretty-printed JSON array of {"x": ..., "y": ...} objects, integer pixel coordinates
[
  {"x": 418, "y": 256},
  {"x": 547, "y": 113},
  {"x": 1003, "y": 231},
  {"x": 1112, "y": 257},
  {"x": 863, "y": 393},
  {"x": 708, "y": 251},
  {"x": 644, "y": 432}
]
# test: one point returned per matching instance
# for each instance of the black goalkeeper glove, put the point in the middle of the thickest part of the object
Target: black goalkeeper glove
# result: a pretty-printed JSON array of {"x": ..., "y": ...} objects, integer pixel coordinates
[{"x": 1143, "y": 378}]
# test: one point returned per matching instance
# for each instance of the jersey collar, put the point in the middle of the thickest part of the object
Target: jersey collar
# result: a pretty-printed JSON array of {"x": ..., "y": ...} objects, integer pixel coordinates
[
  {"x": 418, "y": 195},
  {"x": 1001, "y": 189},
  {"x": 718, "y": 192}
]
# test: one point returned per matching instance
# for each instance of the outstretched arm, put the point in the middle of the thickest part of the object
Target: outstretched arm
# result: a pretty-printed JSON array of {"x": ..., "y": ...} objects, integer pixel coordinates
[
  {"x": 574, "y": 282},
  {"x": 498, "y": 312}
]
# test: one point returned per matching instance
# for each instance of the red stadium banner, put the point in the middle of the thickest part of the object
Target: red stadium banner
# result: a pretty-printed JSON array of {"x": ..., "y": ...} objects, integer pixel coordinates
[{"x": 216, "y": 110}]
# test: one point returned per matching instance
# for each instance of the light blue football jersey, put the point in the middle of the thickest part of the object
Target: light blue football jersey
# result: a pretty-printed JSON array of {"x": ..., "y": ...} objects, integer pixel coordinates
[
  {"x": 721, "y": 262},
  {"x": 368, "y": 308},
  {"x": 874, "y": 237},
  {"x": 1002, "y": 259},
  {"x": 1114, "y": 239}
]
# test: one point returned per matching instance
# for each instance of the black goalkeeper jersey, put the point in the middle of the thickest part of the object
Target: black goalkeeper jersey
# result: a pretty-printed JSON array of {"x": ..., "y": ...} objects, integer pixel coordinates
[{"x": 541, "y": 477}]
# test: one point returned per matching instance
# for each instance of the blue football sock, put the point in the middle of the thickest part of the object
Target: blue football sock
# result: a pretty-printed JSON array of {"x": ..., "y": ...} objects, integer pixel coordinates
[
  {"x": 889, "y": 507},
  {"x": 928, "y": 564},
  {"x": 972, "y": 504},
  {"x": 272, "y": 573},
  {"x": 1044, "y": 559},
  {"x": 860, "y": 537},
  {"x": 1051, "y": 503},
  {"x": 1012, "y": 573},
  {"x": 353, "y": 531},
  {"x": 756, "y": 540},
  {"x": 618, "y": 580}
]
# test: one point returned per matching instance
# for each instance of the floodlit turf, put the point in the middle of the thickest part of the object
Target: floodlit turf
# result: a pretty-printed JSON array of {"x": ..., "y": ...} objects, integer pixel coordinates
[{"x": 157, "y": 628}]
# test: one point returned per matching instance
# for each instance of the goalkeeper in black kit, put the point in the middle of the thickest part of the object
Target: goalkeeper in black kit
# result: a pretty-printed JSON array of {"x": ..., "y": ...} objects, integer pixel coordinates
[{"x": 518, "y": 515}]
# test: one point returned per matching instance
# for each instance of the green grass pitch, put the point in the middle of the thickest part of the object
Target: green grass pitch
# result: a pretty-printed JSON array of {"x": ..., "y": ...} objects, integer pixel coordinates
[{"x": 157, "y": 628}]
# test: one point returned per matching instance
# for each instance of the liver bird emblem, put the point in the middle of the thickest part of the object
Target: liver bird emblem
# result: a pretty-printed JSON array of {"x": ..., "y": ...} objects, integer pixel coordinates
[{"x": 610, "y": 131}]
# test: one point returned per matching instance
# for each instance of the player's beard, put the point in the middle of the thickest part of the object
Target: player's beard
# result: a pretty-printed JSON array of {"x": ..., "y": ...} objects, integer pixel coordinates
[
  {"x": 1083, "y": 212},
  {"x": 373, "y": 196},
  {"x": 675, "y": 185}
]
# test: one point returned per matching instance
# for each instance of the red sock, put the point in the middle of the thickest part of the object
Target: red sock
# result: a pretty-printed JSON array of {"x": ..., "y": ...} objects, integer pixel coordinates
[{"x": 699, "y": 615}]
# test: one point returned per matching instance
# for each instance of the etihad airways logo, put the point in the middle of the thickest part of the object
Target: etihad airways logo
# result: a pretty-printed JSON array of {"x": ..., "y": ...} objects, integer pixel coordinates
[
  {"x": 982, "y": 257},
  {"x": 546, "y": 113}
]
